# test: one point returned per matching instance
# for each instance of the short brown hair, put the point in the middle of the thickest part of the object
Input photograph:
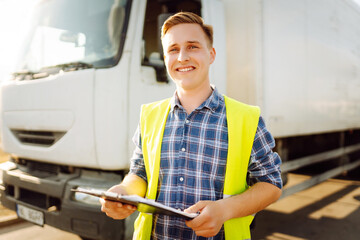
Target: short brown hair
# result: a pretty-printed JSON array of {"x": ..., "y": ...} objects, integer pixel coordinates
[{"x": 187, "y": 17}]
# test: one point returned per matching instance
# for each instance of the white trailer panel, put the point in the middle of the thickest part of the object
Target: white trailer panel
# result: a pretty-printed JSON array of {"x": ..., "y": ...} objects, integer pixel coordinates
[{"x": 306, "y": 71}]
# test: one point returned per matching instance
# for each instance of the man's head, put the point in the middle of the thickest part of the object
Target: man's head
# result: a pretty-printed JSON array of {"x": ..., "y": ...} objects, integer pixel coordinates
[
  {"x": 188, "y": 17},
  {"x": 188, "y": 51}
]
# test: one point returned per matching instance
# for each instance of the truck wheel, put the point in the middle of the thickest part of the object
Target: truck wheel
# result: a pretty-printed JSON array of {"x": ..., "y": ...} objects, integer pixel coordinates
[{"x": 284, "y": 177}]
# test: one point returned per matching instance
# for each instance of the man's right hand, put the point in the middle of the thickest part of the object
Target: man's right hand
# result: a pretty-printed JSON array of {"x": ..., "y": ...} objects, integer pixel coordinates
[
  {"x": 131, "y": 184},
  {"x": 116, "y": 210}
]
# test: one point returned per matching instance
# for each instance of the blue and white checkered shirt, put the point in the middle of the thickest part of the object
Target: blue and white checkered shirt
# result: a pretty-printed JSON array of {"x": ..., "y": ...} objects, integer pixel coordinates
[{"x": 193, "y": 162}]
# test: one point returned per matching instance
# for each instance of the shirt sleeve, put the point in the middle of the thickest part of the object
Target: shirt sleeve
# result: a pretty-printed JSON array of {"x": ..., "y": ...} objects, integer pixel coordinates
[
  {"x": 264, "y": 165},
  {"x": 137, "y": 165}
]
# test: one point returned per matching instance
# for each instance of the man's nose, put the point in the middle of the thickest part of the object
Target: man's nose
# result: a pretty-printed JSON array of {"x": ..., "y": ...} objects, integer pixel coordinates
[{"x": 183, "y": 56}]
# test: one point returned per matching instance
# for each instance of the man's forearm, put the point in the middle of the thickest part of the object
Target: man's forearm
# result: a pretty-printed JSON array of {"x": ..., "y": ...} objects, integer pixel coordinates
[{"x": 253, "y": 200}]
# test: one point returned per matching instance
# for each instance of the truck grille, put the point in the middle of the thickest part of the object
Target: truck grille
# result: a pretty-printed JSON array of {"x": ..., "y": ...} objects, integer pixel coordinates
[
  {"x": 39, "y": 138},
  {"x": 34, "y": 198},
  {"x": 43, "y": 167}
]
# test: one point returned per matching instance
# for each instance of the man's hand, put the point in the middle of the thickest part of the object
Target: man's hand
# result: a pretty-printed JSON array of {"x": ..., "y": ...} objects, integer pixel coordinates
[
  {"x": 210, "y": 220},
  {"x": 131, "y": 184},
  {"x": 116, "y": 210},
  {"x": 213, "y": 214}
]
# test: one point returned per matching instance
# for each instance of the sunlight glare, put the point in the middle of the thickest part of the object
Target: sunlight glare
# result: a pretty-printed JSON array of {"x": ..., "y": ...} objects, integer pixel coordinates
[{"x": 13, "y": 19}]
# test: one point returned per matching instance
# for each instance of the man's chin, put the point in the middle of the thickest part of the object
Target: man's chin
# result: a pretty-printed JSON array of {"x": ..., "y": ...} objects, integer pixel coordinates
[{"x": 184, "y": 84}]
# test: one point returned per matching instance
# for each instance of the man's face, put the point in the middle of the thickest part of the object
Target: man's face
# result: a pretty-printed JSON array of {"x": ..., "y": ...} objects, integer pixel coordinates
[{"x": 188, "y": 56}]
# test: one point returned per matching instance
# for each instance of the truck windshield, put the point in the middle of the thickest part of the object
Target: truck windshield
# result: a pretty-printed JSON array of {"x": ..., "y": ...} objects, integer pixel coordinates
[{"x": 63, "y": 32}]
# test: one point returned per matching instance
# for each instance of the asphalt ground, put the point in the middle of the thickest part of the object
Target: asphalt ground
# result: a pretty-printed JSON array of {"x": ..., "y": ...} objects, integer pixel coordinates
[{"x": 327, "y": 211}]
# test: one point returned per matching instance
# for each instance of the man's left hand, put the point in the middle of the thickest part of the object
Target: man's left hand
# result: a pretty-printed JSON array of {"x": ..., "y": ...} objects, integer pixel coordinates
[{"x": 210, "y": 220}]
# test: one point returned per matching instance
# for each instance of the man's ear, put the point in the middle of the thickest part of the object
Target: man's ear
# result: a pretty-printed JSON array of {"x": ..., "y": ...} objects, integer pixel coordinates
[{"x": 212, "y": 55}]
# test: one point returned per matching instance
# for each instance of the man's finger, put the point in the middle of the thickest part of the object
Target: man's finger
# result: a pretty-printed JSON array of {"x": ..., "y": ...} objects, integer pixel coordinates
[
  {"x": 197, "y": 207},
  {"x": 205, "y": 233},
  {"x": 198, "y": 222}
]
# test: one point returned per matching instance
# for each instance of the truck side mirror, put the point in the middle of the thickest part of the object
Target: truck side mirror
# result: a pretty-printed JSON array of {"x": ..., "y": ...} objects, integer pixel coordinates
[{"x": 79, "y": 39}]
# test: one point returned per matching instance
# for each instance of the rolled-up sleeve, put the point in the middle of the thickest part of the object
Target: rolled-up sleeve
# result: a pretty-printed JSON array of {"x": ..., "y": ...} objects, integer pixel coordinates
[
  {"x": 264, "y": 165},
  {"x": 137, "y": 165}
]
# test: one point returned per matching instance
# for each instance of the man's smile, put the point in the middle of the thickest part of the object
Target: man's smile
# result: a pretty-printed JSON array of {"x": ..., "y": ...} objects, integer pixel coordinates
[{"x": 185, "y": 69}]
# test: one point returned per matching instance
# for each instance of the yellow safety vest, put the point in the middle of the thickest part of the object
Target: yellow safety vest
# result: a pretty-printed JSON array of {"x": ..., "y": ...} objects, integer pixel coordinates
[{"x": 242, "y": 121}]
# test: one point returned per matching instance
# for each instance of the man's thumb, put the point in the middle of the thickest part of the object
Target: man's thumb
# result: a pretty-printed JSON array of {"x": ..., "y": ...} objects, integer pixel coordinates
[{"x": 197, "y": 207}]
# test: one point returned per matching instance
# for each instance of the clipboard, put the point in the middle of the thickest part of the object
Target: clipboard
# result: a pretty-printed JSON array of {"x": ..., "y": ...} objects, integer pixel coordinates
[{"x": 142, "y": 204}]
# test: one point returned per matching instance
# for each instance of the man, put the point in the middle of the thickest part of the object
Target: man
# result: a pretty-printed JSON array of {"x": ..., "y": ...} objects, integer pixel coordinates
[{"x": 199, "y": 150}]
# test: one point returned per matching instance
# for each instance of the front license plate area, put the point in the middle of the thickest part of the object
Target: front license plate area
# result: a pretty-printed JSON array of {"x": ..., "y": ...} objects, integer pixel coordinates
[{"x": 30, "y": 215}]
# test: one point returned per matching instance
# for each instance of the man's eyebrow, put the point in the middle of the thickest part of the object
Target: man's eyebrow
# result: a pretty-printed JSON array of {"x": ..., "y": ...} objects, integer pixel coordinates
[
  {"x": 172, "y": 45},
  {"x": 193, "y": 41},
  {"x": 190, "y": 41}
]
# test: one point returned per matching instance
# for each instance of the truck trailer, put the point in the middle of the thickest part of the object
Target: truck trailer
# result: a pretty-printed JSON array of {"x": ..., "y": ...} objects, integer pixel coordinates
[{"x": 70, "y": 109}]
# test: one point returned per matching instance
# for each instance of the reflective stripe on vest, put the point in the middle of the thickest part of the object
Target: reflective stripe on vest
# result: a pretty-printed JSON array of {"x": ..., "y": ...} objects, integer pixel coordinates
[{"x": 242, "y": 121}]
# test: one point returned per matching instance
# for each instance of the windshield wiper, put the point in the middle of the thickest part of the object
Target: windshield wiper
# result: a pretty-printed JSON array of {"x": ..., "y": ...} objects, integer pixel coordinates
[
  {"x": 28, "y": 75},
  {"x": 72, "y": 66},
  {"x": 46, "y": 71}
]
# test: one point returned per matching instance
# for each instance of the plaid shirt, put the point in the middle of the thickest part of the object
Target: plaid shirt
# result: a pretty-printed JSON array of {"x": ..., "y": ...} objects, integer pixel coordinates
[{"x": 193, "y": 162}]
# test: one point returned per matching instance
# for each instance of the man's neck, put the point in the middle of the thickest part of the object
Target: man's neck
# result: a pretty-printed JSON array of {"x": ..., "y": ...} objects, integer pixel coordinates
[{"x": 191, "y": 99}]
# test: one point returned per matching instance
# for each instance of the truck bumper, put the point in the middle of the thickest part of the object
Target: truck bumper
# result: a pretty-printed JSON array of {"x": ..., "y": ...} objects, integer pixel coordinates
[{"x": 51, "y": 195}]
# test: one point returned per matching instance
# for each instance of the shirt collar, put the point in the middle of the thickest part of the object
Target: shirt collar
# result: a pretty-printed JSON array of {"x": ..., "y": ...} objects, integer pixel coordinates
[{"x": 213, "y": 102}]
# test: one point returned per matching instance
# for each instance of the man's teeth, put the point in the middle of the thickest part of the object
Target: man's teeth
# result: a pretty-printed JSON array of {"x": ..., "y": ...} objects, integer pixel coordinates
[{"x": 185, "y": 69}]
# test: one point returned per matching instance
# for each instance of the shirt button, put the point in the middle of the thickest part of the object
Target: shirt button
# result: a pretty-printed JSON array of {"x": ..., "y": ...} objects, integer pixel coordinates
[
  {"x": 181, "y": 179},
  {"x": 183, "y": 149},
  {"x": 187, "y": 121}
]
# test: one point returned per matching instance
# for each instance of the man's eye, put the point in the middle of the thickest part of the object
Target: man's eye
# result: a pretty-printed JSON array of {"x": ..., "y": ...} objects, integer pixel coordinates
[
  {"x": 172, "y": 50},
  {"x": 193, "y": 47}
]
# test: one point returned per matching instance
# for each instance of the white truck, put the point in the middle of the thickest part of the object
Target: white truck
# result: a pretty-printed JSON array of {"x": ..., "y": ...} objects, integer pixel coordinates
[{"x": 69, "y": 111}]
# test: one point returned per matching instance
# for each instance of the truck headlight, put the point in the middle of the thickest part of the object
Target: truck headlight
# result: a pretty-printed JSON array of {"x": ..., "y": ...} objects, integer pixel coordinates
[{"x": 86, "y": 198}]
